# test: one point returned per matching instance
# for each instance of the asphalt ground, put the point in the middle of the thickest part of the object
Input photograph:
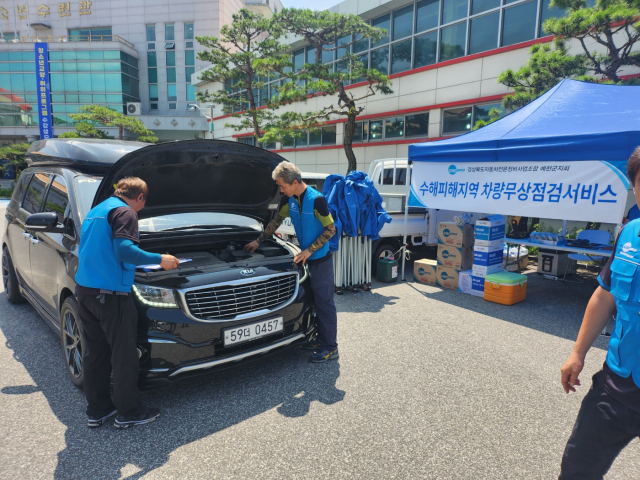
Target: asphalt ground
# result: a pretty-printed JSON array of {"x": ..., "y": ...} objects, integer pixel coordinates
[{"x": 431, "y": 384}]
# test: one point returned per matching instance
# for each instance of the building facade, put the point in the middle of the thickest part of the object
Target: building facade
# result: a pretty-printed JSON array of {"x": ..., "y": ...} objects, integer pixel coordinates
[
  {"x": 112, "y": 53},
  {"x": 443, "y": 58}
]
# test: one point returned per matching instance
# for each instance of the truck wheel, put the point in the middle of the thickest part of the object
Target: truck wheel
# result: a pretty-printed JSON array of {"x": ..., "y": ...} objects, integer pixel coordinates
[
  {"x": 72, "y": 341},
  {"x": 384, "y": 250},
  {"x": 10, "y": 279}
]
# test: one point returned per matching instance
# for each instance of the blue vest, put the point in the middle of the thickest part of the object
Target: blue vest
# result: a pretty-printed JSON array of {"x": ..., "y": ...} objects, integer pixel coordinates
[
  {"x": 308, "y": 227},
  {"x": 623, "y": 356},
  {"x": 98, "y": 266}
]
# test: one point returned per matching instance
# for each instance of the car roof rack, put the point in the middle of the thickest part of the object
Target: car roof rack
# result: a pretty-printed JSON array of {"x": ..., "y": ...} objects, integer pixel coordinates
[{"x": 83, "y": 153}]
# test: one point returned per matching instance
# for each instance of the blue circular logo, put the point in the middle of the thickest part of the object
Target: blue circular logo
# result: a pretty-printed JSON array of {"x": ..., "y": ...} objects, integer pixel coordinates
[
  {"x": 444, "y": 275},
  {"x": 421, "y": 271},
  {"x": 453, "y": 170},
  {"x": 445, "y": 253},
  {"x": 446, "y": 232}
]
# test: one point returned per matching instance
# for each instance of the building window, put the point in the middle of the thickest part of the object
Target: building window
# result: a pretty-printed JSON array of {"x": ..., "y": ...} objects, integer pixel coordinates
[
  {"x": 453, "y": 10},
  {"x": 427, "y": 15},
  {"x": 169, "y": 32},
  {"x": 172, "y": 95},
  {"x": 385, "y": 23},
  {"x": 479, "y": 6},
  {"x": 519, "y": 23},
  {"x": 394, "y": 127},
  {"x": 461, "y": 120},
  {"x": 94, "y": 34},
  {"x": 247, "y": 140},
  {"x": 452, "y": 41},
  {"x": 426, "y": 49},
  {"x": 375, "y": 129},
  {"x": 484, "y": 33},
  {"x": 403, "y": 22},
  {"x": 151, "y": 37},
  {"x": 401, "y": 56},
  {"x": 380, "y": 60},
  {"x": 188, "y": 31},
  {"x": 417, "y": 125}
]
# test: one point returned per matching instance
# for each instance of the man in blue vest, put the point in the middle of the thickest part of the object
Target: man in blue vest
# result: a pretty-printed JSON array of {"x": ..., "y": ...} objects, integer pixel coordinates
[
  {"x": 107, "y": 258},
  {"x": 314, "y": 227},
  {"x": 609, "y": 417}
]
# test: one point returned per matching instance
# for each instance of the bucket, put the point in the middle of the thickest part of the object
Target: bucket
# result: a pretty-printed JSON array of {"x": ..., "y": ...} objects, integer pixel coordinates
[{"x": 387, "y": 270}]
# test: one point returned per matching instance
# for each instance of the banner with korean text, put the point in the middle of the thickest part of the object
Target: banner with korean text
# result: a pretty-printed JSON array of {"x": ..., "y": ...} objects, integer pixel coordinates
[
  {"x": 43, "y": 90},
  {"x": 592, "y": 191}
]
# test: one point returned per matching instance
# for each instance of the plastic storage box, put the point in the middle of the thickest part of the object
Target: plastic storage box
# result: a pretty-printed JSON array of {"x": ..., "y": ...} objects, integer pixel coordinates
[{"x": 505, "y": 288}]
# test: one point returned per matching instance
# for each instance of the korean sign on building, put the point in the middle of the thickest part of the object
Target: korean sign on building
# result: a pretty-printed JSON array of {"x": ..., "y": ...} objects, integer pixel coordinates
[
  {"x": 592, "y": 191},
  {"x": 62, "y": 9},
  {"x": 43, "y": 90}
]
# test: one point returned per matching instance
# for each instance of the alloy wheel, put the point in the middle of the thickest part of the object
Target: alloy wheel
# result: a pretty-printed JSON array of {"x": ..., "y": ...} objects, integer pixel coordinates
[{"x": 72, "y": 344}]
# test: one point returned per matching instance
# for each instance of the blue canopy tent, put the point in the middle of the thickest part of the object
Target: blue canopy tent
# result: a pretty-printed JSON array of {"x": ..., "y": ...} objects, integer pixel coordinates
[{"x": 525, "y": 163}]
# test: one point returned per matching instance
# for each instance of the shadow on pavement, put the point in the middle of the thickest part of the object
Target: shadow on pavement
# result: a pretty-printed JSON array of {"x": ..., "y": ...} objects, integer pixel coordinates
[
  {"x": 192, "y": 409},
  {"x": 551, "y": 306}
]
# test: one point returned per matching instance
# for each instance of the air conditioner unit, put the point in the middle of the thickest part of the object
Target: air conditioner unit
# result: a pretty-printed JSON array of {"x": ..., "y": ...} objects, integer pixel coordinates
[{"x": 134, "y": 108}]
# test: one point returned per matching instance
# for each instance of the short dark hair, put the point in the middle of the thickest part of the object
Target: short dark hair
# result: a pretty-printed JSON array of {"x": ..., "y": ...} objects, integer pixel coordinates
[
  {"x": 131, "y": 188},
  {"x": 633, "y": 167}
]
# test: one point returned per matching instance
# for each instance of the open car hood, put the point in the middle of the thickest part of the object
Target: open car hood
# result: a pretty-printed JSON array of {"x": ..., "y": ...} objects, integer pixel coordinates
[{"x": 200, "y": 175}]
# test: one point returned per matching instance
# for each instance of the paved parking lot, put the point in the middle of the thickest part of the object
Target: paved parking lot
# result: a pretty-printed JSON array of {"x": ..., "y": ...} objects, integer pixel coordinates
[{"x": 431, "y": 384}]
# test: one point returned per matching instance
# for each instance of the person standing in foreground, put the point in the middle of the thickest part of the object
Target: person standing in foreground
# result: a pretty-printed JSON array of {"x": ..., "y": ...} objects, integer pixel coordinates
[
  {"x": 314, "y": 227},
  {"x": 108, "y": 255},
  {"x": 609, "y": 417}
]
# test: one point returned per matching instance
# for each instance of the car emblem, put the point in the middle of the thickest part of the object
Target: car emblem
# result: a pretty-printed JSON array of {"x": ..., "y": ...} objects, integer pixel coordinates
[{"x": 247, "y": 271}]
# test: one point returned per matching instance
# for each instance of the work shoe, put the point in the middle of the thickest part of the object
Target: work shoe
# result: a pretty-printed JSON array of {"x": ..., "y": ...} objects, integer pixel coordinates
[
  {"x": 140, "y": 416},
  {"x": 99, "y": 419},
  {"x": 313, "y": 344},
  {"x": 325, "y": 355}
]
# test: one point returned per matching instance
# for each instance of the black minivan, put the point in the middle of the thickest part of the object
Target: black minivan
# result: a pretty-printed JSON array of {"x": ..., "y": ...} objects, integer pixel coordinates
[{"x": 207, "y": 199}]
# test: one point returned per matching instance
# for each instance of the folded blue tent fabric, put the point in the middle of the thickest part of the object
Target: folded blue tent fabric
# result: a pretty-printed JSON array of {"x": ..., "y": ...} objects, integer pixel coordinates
[{"x": 355, "y": 204}]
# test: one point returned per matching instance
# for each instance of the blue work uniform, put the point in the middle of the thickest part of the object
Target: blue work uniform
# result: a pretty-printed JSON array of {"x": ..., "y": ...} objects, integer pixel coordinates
[
  {"x": 609, "y": 417},
  {"x": 308, "y": 228}
]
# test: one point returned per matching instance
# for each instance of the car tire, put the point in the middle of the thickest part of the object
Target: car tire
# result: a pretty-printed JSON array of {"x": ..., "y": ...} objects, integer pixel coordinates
[
  {"x": 72, "y": 340},
  {"x": 382, "y": 251},
  {"x": 10, "y": 279}
]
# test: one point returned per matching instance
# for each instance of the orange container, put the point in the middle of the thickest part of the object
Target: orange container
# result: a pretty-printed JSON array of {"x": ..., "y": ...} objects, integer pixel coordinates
[{"x": 505, "y": 288}]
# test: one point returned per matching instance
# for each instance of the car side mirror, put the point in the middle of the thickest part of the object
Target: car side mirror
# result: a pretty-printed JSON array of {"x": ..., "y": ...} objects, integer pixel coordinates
[{"x": 44, "y": 222}]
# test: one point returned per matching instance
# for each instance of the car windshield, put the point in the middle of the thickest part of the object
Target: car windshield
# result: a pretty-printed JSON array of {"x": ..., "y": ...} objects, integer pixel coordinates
[{"x": 87, "y": 186}]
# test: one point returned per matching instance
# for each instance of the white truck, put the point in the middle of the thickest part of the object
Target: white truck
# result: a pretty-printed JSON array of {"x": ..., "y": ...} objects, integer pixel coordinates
[{"x": 390, "y": 179}]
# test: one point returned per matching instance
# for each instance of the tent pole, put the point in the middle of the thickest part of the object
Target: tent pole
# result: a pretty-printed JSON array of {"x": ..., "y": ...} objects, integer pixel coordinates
[
  {"x": 406, "y": 217},
  {"x": 564, "y": 228}
]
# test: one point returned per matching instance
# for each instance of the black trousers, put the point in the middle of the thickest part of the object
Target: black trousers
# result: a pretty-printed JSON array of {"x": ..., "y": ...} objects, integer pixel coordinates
[
  {"x": 109, "y": 331},
  {"x": 603, "y": 428},
  {"x": 322, "y": 285}
]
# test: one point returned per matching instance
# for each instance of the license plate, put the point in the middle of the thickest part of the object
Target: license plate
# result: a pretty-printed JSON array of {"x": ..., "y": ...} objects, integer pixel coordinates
[{"x": 253, "y": 331}]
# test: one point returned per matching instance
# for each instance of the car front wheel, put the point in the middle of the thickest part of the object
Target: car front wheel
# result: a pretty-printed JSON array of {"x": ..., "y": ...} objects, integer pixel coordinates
[
  {"x": 10, "y": 279},
  {"x": 72, "y": 341}
]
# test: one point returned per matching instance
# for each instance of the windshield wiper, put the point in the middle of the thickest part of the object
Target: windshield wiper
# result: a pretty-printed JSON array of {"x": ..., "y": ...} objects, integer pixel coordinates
[{"x": 200, "y": 227}]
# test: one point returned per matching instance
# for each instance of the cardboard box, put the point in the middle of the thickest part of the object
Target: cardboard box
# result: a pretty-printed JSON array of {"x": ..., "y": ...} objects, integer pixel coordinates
[
  {"x": 424, "y": 271},
  {"x": 465, "y": 281},
  {"x": 447, "y": 277},
  {"x": 483, "y": 271},
  {"x": 485, "y": 256},
  {"x": 493, "y": 244},
  {"x": 490, "y": 228},
  {"x": 458, "y": 258},
  {"x": 455, "y": 235},
  {"x": 477, "y": 286}
]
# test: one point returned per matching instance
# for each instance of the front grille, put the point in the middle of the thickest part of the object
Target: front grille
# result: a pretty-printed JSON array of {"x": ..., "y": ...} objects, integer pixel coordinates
[{"x": 229, "y": 300}]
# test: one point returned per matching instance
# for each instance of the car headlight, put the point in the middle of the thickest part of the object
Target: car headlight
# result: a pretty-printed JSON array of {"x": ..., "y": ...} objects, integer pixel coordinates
[
  {"x": 155, "y": 297},
  {"x": 303, "y": 273}
]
